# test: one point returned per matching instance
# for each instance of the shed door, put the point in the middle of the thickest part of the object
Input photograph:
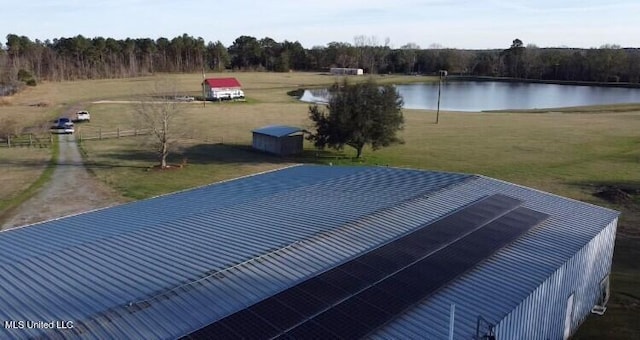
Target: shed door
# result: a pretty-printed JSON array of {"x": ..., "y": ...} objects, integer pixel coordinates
[{"x": 568, "y": 318}]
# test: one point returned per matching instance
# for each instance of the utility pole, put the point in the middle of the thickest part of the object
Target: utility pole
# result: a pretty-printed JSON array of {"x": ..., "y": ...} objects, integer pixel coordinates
[
  {"x": 441, "y": 73},
  {"x": 204, "y": 98}
]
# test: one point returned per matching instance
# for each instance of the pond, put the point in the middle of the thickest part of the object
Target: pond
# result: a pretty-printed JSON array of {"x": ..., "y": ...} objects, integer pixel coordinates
[{"x": 488, "y": 95}]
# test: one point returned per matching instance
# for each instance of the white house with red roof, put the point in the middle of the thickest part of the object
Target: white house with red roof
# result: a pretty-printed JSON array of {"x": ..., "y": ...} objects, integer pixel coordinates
[{"x": 223, "y": 89}]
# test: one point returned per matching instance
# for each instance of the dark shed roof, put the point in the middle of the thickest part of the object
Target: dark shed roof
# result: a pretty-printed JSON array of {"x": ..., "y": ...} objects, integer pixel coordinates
[{"x": 278, "y": 130}]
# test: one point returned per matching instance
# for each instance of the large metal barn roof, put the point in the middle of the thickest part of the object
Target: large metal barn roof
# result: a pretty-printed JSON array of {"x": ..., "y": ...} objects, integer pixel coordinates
[{"x": 172, "y": 265}]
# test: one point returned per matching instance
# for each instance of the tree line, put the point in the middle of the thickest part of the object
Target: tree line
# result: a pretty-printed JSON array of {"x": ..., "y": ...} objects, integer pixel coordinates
[{"x": 93, "y": 58}]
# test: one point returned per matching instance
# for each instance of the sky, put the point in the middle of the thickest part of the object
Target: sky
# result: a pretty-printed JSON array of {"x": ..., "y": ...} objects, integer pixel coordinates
[{"x": 474, "y": 24}]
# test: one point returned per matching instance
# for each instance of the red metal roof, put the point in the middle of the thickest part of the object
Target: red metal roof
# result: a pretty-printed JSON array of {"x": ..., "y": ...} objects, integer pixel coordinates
[{"x": 222, "y": 82}]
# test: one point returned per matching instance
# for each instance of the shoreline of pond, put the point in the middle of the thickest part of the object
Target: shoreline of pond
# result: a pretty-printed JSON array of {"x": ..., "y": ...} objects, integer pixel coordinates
[
  {"x": 536, "y": 96},
  {"x": 541, "y": 81}
]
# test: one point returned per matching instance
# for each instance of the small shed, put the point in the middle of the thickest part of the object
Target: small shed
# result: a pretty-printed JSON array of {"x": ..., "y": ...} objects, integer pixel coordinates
[
  {"x": 223, "y": 89},
  {"x": 281, "y": 140}
]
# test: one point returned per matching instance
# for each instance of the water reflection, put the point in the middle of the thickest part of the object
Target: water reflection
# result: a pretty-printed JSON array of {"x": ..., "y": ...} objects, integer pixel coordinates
[{"x": 479, "y": 96}]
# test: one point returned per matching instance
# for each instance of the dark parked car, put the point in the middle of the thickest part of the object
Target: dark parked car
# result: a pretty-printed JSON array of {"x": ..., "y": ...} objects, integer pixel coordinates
[
  {"x": 63, "y": 121},
  {"x": 62, "y": 125}
]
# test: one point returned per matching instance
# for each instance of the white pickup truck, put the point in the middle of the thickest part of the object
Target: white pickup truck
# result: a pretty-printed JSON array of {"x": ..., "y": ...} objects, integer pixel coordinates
[{"x": 83, "y": 116}]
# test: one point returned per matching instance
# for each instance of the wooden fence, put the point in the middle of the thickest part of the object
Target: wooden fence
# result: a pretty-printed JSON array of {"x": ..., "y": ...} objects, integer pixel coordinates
[
  {"x": 45, "y": 140},
  {"x": 27, "y": 140},
  {"x": 100, "y": 134}
]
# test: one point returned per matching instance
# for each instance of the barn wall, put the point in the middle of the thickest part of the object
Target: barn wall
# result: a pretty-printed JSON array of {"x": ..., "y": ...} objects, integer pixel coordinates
[
  {"x": 283, "y": 146},
  {"x": 291, "y": 145},
  {"x": 265, "y": 143},
  {"x": 542, "y": 314}
]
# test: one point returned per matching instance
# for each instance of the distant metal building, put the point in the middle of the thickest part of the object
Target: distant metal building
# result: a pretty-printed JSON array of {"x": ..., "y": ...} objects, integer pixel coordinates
[
  {"x": 280, "y": 140},
  {"x": 314, "y": 251},
  {"x": 346, "y": 71}
]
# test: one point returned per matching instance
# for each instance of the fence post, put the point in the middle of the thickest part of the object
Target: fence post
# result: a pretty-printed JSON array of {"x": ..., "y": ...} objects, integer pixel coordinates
[
  {"x": 51, "y": 139},
  {"x": 117, "y": 132},
  {"x": 30, "y": 140},
  {"x": 100, "y": 133},
  {"x": 9, "y": 140}
]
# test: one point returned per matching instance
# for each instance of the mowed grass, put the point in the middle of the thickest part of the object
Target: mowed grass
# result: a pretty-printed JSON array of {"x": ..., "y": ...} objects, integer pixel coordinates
[
  {"x": 22, "y": 168},
  {"x": 214, "y": 136},
  {"x": 214, "y": 145},
  {"x": 571, "y": 153},
  {"x": 564, "y": 153},
  {"x": 33, "y": 109},
  {"x": 127, "y": 165},
  {"x": 553, "y": 152},
  {"x": 19, "y": 168}
]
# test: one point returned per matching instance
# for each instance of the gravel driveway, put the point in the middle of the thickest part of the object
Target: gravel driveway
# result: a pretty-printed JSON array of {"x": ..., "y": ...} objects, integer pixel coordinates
[{"x": 71, "y": 190}]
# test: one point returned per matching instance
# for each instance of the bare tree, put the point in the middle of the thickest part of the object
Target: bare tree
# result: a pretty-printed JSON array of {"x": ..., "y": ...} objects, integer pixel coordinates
[
  {"x": 365, "y": 49},
  {"x": 410, "y": 54},
  {"x": 158, "y": 113}
]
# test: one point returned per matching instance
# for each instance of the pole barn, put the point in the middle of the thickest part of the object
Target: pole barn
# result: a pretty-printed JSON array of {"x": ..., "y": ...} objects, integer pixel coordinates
[
  {"x": 280, "y": 140},
  {"x": 310, "y": 251}
]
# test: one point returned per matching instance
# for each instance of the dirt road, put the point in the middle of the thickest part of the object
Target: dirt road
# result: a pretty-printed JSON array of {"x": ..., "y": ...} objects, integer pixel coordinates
[{"x": 71, "y": 190}]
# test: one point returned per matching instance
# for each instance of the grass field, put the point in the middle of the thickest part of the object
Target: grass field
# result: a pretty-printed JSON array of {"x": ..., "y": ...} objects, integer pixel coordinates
[
  {"x": 22, "y": 168},
  {"x": 19, "y": 168},
  {"x": 573, "y": 152}
]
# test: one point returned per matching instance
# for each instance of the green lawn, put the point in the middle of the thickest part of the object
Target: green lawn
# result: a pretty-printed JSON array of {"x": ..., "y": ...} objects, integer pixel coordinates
[{"x": 23, "y": 171}]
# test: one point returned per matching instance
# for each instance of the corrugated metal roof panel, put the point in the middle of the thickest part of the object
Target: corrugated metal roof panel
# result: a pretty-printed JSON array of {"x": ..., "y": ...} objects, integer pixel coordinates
[
  {"x": 163, "y": 267},
  {"x": 229, "y": 244},
  {"x": 278, "y": 130},
  {"x": 497, "y": 286}
]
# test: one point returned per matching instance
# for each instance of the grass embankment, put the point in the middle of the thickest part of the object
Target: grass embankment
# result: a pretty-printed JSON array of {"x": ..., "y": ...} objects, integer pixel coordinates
[
  {"x": 541, "y": 81},
  {"x": 25, "y": 171},
  {"x": 577, "y": 109},
  {"x": 565, "y": 152}
]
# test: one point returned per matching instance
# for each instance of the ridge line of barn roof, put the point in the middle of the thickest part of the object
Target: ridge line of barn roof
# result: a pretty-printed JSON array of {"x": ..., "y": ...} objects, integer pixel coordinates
[
  {"x": 426, "y": 170},
  {"x": 616, "y": 212},
  {"x": 61, "y": 217},
  {"x": 311, "y": 239},
  {"x": 278, "y": 130},
  {"x": 134, "y": 303},
  {"x": 157, "y": 196}
]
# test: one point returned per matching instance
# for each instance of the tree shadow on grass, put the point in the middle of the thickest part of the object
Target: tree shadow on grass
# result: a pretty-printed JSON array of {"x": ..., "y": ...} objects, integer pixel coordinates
[
  {"x": 115, "y": 160},
  {"x": 226, "y": 153},
  {"x": 245, "y": 154},
  {"x": 215, "y": 153},
  {"x": 110, "y": 165},
  {"x": 23, "y": 163}
]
